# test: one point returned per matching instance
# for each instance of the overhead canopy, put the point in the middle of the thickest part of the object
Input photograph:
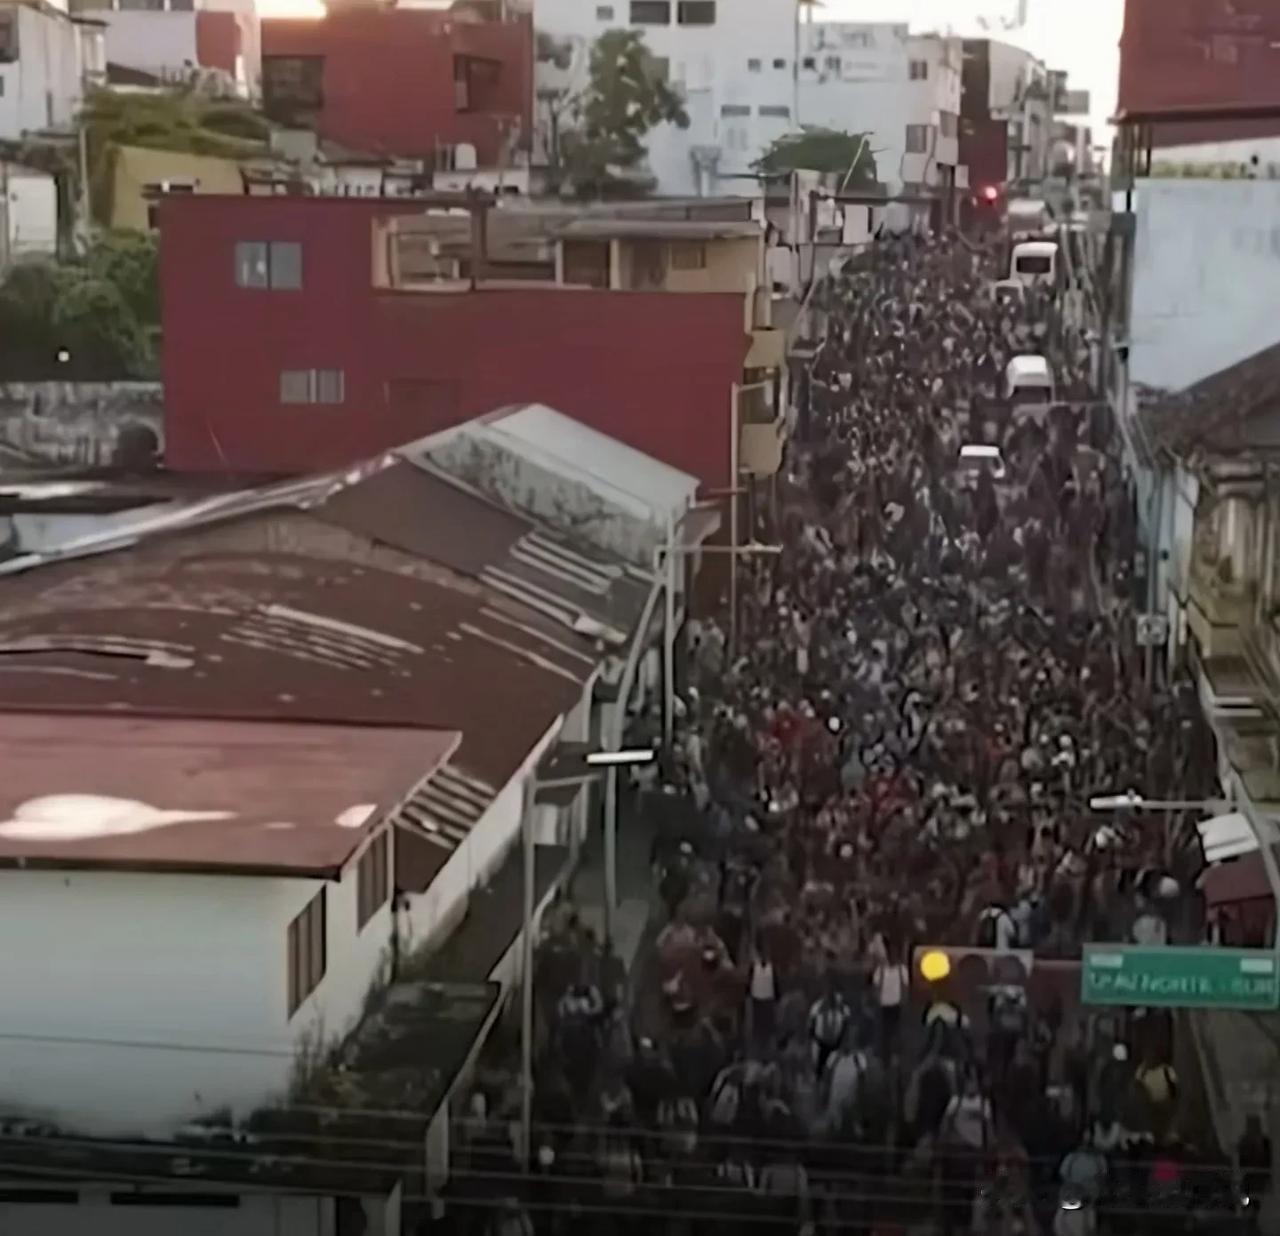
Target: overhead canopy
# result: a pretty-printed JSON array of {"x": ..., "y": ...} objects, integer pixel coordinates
[{"x": 1240, "y": 879}]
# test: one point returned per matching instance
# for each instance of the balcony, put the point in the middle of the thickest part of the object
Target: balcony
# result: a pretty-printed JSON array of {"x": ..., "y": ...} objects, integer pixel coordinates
[
  {"x": 768, "y": 349},
  {"x": 1220, "y": 606},
  {"x": 760, "y": 447}
]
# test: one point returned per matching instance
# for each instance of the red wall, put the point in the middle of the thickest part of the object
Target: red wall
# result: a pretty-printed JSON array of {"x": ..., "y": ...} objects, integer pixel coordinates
[
  {"x": 388, "y": 78},
  {"x": 218, "y": 40},
  {"x": 654, "y": 370},
  {"x": 1198, "y": 53}
]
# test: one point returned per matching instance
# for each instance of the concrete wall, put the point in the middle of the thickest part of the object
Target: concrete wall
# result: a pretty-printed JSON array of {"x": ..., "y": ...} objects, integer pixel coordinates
[
  {"x": 76, "y": 422},
  {"x": 153, "y": 42},
  {"x": 1206, "y": 279},
  {"x": 137, "y": 167},
  {"x": 150, "y": 999},
  {"x": 42, "y": 90}
]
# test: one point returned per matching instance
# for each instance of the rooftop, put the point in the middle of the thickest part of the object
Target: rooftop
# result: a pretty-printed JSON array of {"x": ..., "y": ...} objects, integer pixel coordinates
[
  {"x": 1234, "y": 411},
  {"x": 226, "y": 796},
  {"x": 660, "y": 229}
]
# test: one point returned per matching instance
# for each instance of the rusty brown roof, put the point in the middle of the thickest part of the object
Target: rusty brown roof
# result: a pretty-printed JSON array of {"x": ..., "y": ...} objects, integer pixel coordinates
[
  {"x": 433, "y": 516},
  {"x": 1232, "y": 411},
  {"x": 279, "y": 616},
  {"x": 183, "y": 795}
]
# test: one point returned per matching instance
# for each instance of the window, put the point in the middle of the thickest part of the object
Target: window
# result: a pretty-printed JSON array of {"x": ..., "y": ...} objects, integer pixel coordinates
[
  {"x": 275, "y": 264},
  {"x": 306, "y": 951},
  {"x": 779, "y": 63},
  {"x": 779, "y": 111},
  {"x": 1034, "y": 264},
  {"x": 604, "y": 12},
  {"x": 650, "y": 12},
  {"x": 688, "y": 255},
  {"x": 696, "y": 12},
  {"x": 753, "y": 66},
  {"x": 372, "y": 883},
  {"x": 808, "y": 63},
  {"x": 292, "y": 85},
  {"x": 832, "y": 64},
  {"x": 734, "y": 109},
  {"x": 917, "y": 139},
  {"x": 9, "y": 36},
  {"x": 919, "y": 70},
  {"x": 949, "y": 124},
  {"x": 312, "y": 386}
]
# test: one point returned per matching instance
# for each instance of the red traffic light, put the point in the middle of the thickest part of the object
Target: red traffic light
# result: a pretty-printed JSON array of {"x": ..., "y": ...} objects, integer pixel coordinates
[{"x": 990, "y": 193}]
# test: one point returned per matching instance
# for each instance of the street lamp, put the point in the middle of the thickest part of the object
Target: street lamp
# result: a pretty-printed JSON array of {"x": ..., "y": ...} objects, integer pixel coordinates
[{"x": 567, "y": 765}]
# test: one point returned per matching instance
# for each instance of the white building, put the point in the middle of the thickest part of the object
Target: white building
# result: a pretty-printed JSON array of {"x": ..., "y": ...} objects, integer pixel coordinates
[
  {"x": 218, "y": 42},
  {"x": 46, "y": 59},
  {"x": 751, "y": 78},
  {"x": 1021, "y": 93}
]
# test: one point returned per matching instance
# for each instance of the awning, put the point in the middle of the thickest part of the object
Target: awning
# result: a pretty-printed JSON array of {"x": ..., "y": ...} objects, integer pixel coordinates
[
  {"x": 1240, "y": 879},
  {"x": 1226, "y": 836}
]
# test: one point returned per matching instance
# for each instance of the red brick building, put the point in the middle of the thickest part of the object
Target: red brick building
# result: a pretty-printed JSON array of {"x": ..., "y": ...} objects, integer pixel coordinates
[
  {"x": 1193, "y": 56},
  {"x": 286, "y": 350},
  {"x": 403, "y": 82}
]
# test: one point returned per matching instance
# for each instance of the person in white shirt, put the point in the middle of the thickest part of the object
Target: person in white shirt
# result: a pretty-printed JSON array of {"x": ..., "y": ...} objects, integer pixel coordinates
[
  {"x": 889, "y": 980},
  {"x": 762, "y": 993},
  {"x": 968, "y": 1117}
]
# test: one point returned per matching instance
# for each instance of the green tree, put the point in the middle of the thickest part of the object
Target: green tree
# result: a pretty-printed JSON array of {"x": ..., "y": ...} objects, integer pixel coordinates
[
  {"x": 847, "y": 155},
  {"x": 598, "y": 133},
  {"x": 100, "y": 311}
]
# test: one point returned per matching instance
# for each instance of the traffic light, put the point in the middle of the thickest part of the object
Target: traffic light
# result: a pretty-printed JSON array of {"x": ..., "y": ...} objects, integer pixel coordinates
[{"x": 964, "y": 971}]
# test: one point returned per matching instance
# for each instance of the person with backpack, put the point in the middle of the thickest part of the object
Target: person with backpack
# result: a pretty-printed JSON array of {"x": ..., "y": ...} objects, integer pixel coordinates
[
  {"x": 997, "y": 929},
  {"x": 829, "y": 1019},
  {"x": 1159, "y": 1083}
]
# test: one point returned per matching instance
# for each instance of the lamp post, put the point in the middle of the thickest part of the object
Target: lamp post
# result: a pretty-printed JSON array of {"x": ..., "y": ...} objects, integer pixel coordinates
[{"x": 563, "y": 767}]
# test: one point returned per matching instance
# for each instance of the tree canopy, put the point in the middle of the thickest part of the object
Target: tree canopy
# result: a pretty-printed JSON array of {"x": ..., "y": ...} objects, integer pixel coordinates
[
  {"x": 848, "y": 155},
  {"x": 597, "y": 134},
  {"x": 94, "y": 318}
]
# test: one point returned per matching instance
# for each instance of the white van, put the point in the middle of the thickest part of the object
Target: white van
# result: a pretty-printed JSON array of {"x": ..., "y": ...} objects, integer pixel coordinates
[
  {"x": 977, "y": 458},
  {"x": 1028, "y": 218},
  {"x": 1034, "y": 261},
  {"x": 1028, "y": 379}
]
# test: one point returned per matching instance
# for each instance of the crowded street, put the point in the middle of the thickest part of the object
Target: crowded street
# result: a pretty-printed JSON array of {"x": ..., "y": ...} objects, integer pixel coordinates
[{"x": 932, "y": 678}]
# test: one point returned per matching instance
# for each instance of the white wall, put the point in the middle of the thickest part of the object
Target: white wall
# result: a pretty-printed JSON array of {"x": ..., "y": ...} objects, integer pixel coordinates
[
  {"x": 28, "y": 214},
  {"x": 1265, "y": 149},
  {"x": 42, "y": 89},
  {"x": 135, "y": 1002},
  {"x": 1206, "y": 278},
  {"x": 152, "y": 42},
  {"x": 712, "y": 65}
]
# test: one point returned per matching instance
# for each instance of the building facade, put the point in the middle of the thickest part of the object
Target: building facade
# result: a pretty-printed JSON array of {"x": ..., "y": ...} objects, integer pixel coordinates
[
  {"x": 441, "y": 86},
  {"x": 341, "y": 350},
  {"x": 1005, "y": 84},
  {"x": 47, "y": 59},
  {"x": 217, "y": 43}
]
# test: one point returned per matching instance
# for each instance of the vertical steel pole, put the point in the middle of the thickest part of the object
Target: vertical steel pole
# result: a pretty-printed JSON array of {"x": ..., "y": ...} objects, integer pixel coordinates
[{"x": 529, "y": 799}]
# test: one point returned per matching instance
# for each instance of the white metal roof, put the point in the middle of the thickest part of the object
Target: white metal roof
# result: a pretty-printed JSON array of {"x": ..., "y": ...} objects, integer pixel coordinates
[
  {"x": 1226, "y": 836},
  {"x": 1031, "y": 367},
  {"x": 616, "y": 497},
  {"x": 1035, "y": 248}
]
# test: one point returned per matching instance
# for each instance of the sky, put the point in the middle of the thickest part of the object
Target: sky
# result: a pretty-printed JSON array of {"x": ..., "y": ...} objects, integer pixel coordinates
[{"x": 1081, "y": 36}]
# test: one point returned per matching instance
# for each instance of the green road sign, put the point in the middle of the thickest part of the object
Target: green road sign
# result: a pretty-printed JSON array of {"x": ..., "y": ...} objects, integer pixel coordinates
[{"x": 1180, "y": 978}]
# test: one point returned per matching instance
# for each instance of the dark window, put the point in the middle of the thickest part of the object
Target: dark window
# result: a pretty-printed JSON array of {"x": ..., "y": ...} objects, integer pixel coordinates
[
  {"x": 809, "y": 62},
  {"x": 688, "y": 255},
  {"x": 1035, "y": 264},
  {"x": 696, "y": 12},
  {"x": 949, "y": 124},
  {"x": 330, "y": 386},
  {"x": 604, "y": 12},
  {"x": 8, "y": 36},
  {"x": 372, "y": 880},
  {"x": 292, "y": 85},
  {"x": 917, "y": 139},
  {"x": 753, "y": 66},
  {"x": 779, "y": 111},
  {"x": 779, "y": 64},
  {"x": 832, "y": 64},
  {"x": 474, "y": 83},
  {"x": 586, "y": 262},
  {"x": 650, "y": 12},
  {"x": 919, "y": 70},
  {"x": 306, "y": 951},
  {"x": 735, "y": 109},
  {"x": 269, "y": 264},
  {"x": 149, "y": 6}
]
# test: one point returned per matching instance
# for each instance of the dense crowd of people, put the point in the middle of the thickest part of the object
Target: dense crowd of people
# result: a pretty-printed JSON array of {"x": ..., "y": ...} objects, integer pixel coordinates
[{"x": 932, "y": 678}]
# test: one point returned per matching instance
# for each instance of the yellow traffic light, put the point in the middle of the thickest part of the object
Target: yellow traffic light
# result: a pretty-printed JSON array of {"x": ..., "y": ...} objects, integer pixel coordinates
[{"x": 935, "y": 965}]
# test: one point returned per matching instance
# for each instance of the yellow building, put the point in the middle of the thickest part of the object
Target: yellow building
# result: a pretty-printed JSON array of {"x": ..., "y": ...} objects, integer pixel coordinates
[{"x": 140, "y": 176}]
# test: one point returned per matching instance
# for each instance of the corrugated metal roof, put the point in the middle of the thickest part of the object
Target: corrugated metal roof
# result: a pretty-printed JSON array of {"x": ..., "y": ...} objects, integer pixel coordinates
[
  {"x": 261, "y": 797},
  {"x": 429, "y": 514},
  {"x": 181, "y": 627}
]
